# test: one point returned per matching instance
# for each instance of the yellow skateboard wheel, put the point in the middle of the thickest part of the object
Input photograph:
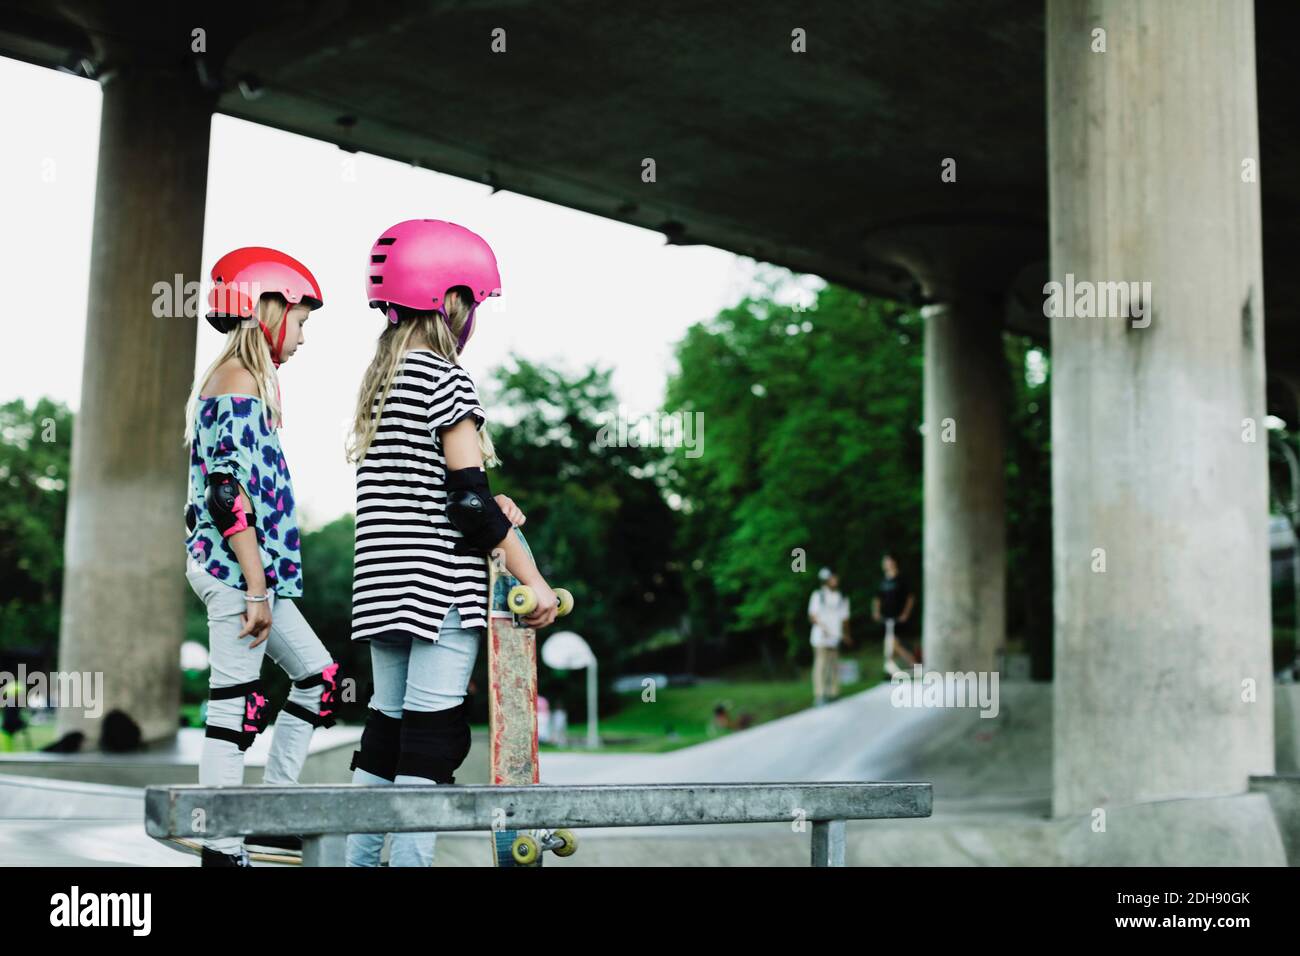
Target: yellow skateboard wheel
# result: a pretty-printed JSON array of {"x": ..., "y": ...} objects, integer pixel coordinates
[
  {"x": 521, "y": 599},
  {"x": 525, "y": 850},
  {"x": 569, "y": 845}
]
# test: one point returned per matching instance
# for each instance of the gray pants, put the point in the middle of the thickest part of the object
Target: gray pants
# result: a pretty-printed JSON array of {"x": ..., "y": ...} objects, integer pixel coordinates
[{"x": 294, "y": 646}]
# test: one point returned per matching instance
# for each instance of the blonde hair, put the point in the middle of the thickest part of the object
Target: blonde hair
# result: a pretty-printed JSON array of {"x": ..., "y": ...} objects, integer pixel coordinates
[
  {"x": 441, "y": 336},
  {"x": 246, "y": 343}
]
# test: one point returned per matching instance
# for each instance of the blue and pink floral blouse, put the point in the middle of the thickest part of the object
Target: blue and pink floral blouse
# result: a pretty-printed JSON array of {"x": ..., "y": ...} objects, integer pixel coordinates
[{"x": 231, "y": 435}]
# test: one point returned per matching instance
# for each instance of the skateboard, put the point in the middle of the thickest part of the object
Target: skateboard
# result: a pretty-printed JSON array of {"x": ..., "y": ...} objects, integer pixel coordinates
[
  {"x": 256, "y": 854},
  {"x": 512, "y": 707}
]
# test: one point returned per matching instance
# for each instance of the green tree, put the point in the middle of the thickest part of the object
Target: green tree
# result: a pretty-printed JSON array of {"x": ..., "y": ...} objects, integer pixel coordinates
[
  {"x": 811, "y": 446},
  {"x": 1029, "y": 503},
  {"x": 597, "y": 520},
  {"x": 35, "y": 460}
]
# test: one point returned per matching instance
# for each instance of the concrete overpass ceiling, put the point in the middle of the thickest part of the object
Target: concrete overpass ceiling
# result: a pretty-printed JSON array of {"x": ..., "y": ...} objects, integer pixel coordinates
[
  {"x": 827, "y": 162},
  {"x": 816, "y": 162}
]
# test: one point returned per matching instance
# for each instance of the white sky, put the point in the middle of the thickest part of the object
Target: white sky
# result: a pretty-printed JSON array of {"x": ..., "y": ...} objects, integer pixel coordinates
[{"x": 628, "y": 296}]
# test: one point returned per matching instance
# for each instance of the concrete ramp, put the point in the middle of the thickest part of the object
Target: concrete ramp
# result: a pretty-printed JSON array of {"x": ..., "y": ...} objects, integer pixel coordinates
[
  {"x": 970, "y": 760},
  {"x": 992, "y": 795},
  {"x": 991, "y": 777},
  {"x": 55, "y": 822},
  {"x": 46, "y": 822},
  {"x": 87, "y": 809},
  {"x": 177, "y": 761},
  {"x": 992, "y": 800}
]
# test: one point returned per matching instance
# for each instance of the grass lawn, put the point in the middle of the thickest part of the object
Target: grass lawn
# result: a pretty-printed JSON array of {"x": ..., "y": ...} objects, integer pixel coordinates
[{"x": 31, "y": 739}]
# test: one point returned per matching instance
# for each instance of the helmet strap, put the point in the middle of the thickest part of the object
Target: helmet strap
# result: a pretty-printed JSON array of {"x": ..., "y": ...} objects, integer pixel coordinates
[
  {"x": 277, "y": 346},
  {"x": 464, "y": 333}
]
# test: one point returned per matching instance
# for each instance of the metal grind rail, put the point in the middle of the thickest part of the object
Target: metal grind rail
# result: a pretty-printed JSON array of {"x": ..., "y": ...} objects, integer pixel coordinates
[{"x": 323, "y": 815}]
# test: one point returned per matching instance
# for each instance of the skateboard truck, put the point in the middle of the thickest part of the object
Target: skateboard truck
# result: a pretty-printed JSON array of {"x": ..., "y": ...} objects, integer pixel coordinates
[{"x": 526, "y": 848}]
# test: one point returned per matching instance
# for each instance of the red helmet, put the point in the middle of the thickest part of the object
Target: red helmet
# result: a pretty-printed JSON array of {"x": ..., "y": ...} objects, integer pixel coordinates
[{"x": 242, "y": 277}]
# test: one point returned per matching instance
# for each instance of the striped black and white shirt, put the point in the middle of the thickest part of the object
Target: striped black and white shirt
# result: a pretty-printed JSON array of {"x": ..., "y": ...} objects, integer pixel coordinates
[{"x": 408, "y": 574}]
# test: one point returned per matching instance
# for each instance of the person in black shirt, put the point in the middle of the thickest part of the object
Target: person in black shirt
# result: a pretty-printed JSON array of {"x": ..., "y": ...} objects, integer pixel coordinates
[{"x": 893, "y": 604}]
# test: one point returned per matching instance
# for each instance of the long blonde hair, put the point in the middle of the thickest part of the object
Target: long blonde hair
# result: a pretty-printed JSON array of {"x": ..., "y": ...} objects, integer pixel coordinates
[
  {"x": 246, "y": 343},
  {"x": 394, "y": 341}
]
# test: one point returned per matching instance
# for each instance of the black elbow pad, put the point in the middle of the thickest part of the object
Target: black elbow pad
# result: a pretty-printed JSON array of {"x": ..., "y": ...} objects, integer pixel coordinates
[
  {"x": 472, "y": 510},
  {"x": 223, "y": 504}
]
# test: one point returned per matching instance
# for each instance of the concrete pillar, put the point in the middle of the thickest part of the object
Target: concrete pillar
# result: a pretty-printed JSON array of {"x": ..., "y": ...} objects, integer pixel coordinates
[
  {"x": 1160, "y": 496},
  {"x": 963, "y": 610},
  {"x": 124, "y": 584}
]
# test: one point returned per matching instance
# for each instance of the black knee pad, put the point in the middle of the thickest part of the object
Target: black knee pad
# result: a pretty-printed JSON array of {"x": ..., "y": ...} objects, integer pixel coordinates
[
  {"x": 381, "y": 745},
  {"x": 434, "y": 743}
]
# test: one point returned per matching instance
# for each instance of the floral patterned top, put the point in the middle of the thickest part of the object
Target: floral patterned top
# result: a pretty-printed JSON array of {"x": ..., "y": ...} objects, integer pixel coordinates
[{"x": 231, "y": 435}]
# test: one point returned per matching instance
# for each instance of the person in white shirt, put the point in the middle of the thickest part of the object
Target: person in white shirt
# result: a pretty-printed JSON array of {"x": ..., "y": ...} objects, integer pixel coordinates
[{"x": 828, "y": 611}]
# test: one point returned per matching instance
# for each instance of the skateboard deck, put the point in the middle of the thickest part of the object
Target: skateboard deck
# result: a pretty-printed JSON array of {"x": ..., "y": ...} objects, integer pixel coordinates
[
  {"x": 512, "y": 708},
  {"x": 256, "y": 854}
]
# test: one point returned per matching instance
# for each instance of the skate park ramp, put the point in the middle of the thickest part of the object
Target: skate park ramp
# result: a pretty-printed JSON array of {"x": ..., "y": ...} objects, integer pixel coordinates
[
  {"x": 87, "y": 809},
  {"x": 991, "y": 776},
  {"x": 1000, "y": 763},
  {"x": 50, "y": 822},
  {"x": 1005, "y": 770},
  {"x": 177, "y": 761},
  {"x": 991, "y": 780}
]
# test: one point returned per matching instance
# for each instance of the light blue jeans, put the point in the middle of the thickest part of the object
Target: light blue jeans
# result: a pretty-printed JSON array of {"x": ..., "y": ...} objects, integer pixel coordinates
[{"x": 420, "y": 675}]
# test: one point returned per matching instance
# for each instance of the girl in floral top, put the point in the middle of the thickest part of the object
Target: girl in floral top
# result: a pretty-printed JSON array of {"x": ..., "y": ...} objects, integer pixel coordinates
[
  {"x": 243, "y": 538},
  {"x": 232, "y": 435}
]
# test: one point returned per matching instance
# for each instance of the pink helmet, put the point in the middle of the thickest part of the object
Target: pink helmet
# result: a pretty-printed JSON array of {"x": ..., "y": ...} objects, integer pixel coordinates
[{"x": 414, "y": 263}]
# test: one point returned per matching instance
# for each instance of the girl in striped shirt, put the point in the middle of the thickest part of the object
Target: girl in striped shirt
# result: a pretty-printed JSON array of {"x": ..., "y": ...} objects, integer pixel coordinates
[{"x": 426, "y": 518}]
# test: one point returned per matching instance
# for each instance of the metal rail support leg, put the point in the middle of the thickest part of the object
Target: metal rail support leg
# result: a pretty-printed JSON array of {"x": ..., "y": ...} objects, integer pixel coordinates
[
  {"x": 828, "y": 843},
  {"x": 327, "y": 849}
]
